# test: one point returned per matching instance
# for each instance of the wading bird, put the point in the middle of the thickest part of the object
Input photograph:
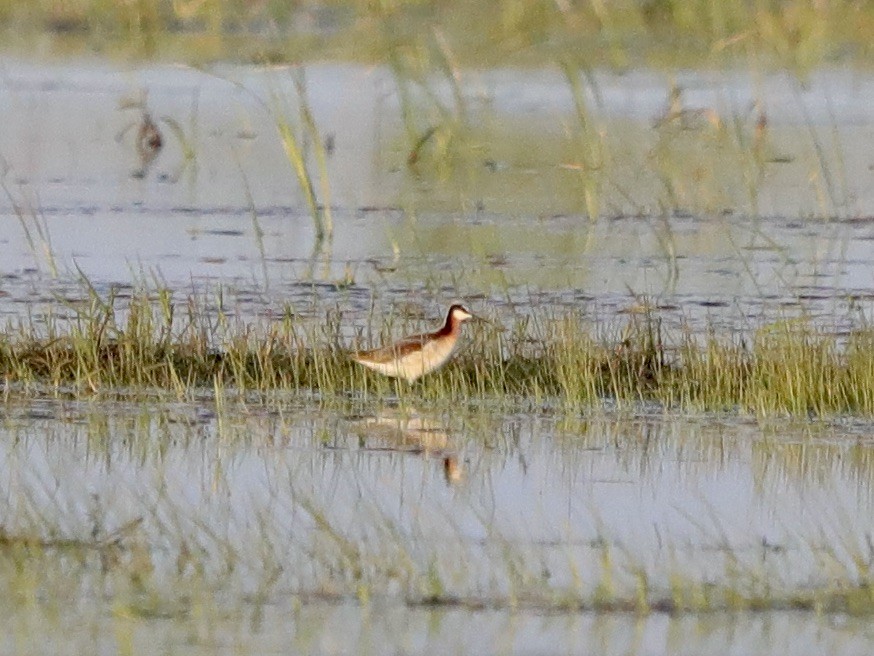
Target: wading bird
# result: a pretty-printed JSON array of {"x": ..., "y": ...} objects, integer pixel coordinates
[{"x": 413, "y": 357}]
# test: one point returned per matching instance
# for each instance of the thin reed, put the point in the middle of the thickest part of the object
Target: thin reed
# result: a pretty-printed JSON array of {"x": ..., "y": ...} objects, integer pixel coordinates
[{"x": 296, "y": 144}]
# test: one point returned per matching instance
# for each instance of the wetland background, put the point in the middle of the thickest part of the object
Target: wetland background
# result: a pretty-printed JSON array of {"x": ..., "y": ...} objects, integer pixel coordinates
[{"x": 668, "y": 208}]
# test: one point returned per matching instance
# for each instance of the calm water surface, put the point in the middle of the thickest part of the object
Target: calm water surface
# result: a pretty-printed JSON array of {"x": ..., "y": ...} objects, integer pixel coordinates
[
  {"x": 693, "y": 224},
  {"x": 242, "y": 522}
]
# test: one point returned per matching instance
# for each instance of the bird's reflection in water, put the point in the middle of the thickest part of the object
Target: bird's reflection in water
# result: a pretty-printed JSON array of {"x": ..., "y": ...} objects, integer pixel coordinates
[
  {"x": 408, "y": 431},
  {"x": 453, "y": 472}
]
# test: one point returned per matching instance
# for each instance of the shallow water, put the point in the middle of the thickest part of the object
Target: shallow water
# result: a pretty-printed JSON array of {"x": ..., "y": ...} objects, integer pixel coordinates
[
  {"x": 254, "y": 518},
  {"x": 688, "y": 218},
  {"x": 265, "y": 524},
  {"x": 316, "y": 629}
]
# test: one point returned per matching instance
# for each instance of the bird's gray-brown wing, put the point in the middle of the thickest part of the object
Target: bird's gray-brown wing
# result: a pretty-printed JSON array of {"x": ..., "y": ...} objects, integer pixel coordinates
[{"x": 393, "y": 351}]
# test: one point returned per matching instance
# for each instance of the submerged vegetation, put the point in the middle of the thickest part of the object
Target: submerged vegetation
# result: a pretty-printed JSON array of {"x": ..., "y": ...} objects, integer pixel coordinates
[
  {"x": 152, "y": 342},
  {"x": 188, "y": 517}
]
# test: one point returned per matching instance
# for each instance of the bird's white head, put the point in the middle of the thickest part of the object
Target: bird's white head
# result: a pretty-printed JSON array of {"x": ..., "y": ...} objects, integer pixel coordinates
[{"x": 458, "y": 313}]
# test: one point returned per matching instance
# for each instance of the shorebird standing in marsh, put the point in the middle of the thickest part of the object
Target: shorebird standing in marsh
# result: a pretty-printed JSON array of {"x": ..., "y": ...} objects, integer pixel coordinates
[{"x": 413, "y": 357}]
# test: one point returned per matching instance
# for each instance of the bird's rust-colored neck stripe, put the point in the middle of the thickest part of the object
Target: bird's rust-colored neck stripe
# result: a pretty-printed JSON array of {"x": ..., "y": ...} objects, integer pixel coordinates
[{"x": 449, "y": 327}]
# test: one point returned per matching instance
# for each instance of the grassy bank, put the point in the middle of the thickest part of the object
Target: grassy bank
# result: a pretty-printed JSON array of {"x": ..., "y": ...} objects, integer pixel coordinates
[
  {"x": 797, "y": 34},
  {"x": 152, "y": 342}
]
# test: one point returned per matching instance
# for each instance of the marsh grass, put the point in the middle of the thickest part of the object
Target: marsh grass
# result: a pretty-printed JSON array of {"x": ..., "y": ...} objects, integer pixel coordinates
[
  {"x": 167, "y": 565},
  {"x": 436, "y": 129},
  {"x": 36, "y": 231},
  {"x": 154, "y": 341},
  {"x": 295, "y": 141},
  {"x": 589, "y": 140},
  {"x": 702, "y": 161},
  {"x": 797, "y": 35}
]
